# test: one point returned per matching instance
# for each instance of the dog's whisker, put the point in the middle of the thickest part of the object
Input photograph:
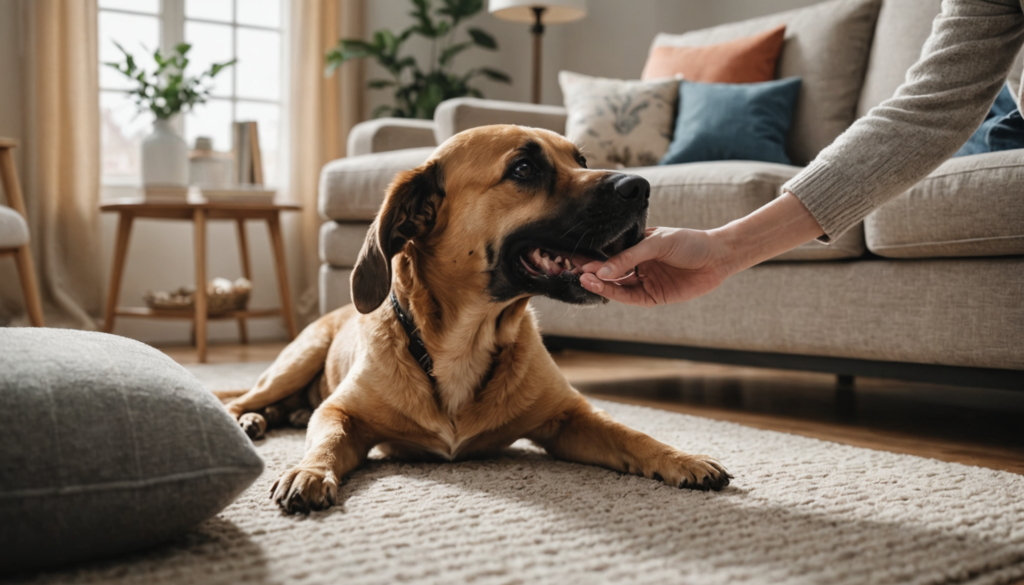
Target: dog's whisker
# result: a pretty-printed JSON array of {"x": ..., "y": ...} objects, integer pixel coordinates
[
  {"x": 572, "y": 228},
  {"x": 583, "y": 235}
]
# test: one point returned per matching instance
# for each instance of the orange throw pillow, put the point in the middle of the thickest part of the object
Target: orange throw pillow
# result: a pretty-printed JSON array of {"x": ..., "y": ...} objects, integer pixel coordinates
[{"x": 746, "y": 60}]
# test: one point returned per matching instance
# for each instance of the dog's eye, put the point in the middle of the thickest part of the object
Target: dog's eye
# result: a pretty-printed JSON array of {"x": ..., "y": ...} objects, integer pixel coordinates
[
  {"x": 524, "y": 169},
  {"x": 583, "y": 161}
]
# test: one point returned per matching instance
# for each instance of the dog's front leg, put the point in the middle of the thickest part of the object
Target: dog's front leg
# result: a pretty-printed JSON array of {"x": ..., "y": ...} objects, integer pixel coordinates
[
  {"x": 335, "y": 445},
  {"x": 585, "y": 434}
]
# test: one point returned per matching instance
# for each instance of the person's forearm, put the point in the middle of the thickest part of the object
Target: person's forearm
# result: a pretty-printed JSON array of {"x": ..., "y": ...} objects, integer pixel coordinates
[
  {"x": 945, "y": 97},
  {"x": 773, "y": 229}
]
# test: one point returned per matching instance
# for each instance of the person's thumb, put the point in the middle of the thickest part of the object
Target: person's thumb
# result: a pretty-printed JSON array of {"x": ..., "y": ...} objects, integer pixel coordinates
[{"x": 626, "y": 260}]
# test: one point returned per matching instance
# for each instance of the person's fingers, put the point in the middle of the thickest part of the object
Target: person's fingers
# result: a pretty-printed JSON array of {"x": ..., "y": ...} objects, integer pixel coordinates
[
  {"x": 626, "y": 260},
  {"x": 591, "y": 283},
  {"x": 630, "y": 295}
]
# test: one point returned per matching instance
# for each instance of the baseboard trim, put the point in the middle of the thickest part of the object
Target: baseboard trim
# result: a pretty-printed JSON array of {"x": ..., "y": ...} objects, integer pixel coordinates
[{"x": 992, "y": 378}]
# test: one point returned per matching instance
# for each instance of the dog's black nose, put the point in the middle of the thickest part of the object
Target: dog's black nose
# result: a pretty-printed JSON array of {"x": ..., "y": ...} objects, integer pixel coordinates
[{"x": 632, "y": 187}]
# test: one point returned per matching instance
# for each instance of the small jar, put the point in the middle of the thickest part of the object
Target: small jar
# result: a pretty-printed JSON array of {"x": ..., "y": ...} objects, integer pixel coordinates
[{"x": 207, "y": 167}]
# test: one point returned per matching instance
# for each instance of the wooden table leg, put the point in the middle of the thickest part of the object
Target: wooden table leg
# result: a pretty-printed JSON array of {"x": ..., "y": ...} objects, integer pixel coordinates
[
  {"x": 199, "y": 221},
  {"x": 124, "y": 232},
  {"x": 277, "y": 243},
  {"x": 243, "y": 251}
]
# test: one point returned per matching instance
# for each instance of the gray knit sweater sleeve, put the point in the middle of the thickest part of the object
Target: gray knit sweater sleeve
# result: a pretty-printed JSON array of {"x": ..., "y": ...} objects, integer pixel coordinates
[{"x": 944, "y": 98}]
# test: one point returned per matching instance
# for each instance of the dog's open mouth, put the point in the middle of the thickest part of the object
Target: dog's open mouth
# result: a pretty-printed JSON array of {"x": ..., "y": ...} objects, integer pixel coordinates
[{"x": 545, "y": 261}]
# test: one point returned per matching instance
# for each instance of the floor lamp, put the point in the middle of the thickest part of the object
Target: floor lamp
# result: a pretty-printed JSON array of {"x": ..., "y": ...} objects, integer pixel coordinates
[{"x": 538, "y": 13}]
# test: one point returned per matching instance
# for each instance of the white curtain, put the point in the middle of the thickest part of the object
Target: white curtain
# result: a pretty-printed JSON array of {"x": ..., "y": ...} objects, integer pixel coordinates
[
  {"x": 321, "y": 111},
  {"x": 60, "y": 151}
]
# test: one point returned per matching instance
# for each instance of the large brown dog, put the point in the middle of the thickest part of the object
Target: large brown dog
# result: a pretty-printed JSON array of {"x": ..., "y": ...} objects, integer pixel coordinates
[{"x": 497, "y": 215}]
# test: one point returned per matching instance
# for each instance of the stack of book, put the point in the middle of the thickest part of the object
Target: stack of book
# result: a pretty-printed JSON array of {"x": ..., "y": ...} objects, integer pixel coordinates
[
  {"x": 248, "y": 187},
  {"x": 248, "y": 159}
]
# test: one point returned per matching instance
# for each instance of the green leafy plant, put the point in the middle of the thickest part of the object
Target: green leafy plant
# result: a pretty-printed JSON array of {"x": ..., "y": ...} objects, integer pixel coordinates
[
  {"x": 167, "y": 90},
  {"x": 417, "y": 93}
]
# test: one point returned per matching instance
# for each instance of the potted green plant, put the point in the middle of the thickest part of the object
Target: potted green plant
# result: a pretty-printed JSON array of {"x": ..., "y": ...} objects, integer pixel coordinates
[
  {"x": 166, "y": 92},
  {"x": 417, "y": 92}
]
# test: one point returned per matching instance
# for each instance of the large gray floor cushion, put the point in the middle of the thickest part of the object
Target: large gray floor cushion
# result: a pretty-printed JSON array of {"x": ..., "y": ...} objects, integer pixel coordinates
[{"x": 106, "y": 446}]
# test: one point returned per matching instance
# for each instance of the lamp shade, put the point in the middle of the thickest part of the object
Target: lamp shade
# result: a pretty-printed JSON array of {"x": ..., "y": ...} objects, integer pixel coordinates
[{"x": 555, "y": 11}]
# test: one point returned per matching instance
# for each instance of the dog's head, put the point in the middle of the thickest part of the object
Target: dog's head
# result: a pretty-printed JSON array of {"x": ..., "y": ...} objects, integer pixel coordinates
[{"x": 504, "y": 211}]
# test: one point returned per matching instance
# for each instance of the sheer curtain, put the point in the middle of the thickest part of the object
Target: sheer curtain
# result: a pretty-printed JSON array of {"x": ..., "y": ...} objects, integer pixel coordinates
[
  {"x": 60, "y": 147},
  {"x": 321, "y": 111}
]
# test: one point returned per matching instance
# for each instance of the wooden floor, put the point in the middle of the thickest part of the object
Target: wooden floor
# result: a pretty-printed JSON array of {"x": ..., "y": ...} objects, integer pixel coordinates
[{"x": 965, "y": 425}]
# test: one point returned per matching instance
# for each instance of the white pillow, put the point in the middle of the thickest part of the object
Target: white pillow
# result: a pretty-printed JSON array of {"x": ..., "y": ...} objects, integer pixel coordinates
[{"x": 618, "y": 123}]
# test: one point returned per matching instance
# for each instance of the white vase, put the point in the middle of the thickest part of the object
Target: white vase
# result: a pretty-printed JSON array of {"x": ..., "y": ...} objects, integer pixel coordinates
[{"x": 164, "y": 157}]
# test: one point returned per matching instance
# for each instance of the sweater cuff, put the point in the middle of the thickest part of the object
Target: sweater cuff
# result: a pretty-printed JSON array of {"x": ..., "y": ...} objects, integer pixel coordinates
[{"x": 835, "y": 202}]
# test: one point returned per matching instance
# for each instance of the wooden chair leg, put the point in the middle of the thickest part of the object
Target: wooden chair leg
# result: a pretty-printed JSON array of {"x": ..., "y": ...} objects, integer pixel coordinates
[
  {"x": 124, "y": 232},
  {"x": 199, "y": 221},
  {"x": 29, "y": 286},
  {"x": 26, "y": 270},
  {"x": 277, "y": 243},
  {"x": 243, "y": 251}
]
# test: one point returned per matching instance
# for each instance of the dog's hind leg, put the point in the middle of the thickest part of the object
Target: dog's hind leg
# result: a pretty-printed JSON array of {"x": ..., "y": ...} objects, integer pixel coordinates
[{"x": 295, "y": 368}]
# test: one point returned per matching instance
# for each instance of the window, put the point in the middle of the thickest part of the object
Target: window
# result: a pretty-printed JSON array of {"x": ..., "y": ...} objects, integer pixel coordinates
[{"x": 218, "y": 30}]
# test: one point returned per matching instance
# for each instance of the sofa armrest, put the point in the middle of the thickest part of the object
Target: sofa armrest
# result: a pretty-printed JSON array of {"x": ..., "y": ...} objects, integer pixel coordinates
[
  {"x": 384, "y": 134},
  {"x": 454, "y": 116}
]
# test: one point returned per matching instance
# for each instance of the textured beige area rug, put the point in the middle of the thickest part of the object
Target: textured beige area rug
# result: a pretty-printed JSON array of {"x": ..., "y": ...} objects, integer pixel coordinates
[{"x": 799, "y": 511}]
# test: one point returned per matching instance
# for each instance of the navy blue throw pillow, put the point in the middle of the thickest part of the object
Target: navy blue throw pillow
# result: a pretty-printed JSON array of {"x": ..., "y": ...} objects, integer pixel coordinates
[
  {"x": 1003, "y": 128},
  {"x": 733, "y": 121}
]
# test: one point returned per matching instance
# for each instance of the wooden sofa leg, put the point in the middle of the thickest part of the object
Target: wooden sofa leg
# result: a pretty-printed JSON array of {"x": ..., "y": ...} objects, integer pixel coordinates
[{"x": 29, "y": 286}]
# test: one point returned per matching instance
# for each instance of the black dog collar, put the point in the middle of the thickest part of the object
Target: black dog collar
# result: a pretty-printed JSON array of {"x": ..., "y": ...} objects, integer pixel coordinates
[{"x": 416, "y": 347}]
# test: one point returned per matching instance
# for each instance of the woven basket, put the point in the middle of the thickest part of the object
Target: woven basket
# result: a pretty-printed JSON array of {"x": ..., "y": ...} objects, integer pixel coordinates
[{"x": 222, "y": 296}]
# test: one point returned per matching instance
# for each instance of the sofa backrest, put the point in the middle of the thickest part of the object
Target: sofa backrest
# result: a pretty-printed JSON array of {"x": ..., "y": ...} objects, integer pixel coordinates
[
  {"x": 903, "y": 26},
  {"x": 827, "y": 45}
]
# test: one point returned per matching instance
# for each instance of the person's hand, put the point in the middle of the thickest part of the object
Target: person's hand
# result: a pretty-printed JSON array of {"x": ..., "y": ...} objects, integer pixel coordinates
[{"x": 672, "y": 265}]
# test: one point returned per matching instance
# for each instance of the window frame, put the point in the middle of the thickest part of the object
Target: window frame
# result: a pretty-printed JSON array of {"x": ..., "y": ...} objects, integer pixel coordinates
[{"x": 172, "y": 19}]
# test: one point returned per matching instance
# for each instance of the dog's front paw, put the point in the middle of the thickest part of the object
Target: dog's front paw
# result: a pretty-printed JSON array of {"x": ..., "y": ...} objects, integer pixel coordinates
[
  {"x": 302, "y": 489},
  {"x": 254, "y": 425},
  {"x": 697, "y": 472}
]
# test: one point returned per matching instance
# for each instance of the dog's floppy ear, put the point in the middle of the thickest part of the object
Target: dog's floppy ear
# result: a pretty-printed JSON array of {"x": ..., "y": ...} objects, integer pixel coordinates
[{"x": 409, "y": 211}]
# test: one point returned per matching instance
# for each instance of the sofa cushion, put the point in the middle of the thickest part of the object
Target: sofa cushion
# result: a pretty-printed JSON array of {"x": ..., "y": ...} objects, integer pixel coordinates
[
  {"x": 340, "y": 242},
  {"x": 952, "y": 312},
  {"x": 107, "y": 446},
  {"x": 711, "y": 194},
  {"x": 747, "y": 60},
  {"x": 619, "y": 123},
  {"x": 827, "y": 45},
  {"x": 335, "y": 288},
  {"x": 970, "y": 206},
  {"x": 353, "y": 188},
  {"x": 733, "y": 121},
  {"x": 902, "y": 28}
]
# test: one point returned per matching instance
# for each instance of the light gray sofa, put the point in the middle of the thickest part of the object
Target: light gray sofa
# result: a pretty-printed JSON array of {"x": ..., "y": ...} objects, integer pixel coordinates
[{"x": 930, "y": 287}]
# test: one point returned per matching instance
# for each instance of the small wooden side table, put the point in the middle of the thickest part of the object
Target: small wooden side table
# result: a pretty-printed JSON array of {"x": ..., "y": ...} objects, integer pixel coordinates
[{"x": 199, "y": 212}]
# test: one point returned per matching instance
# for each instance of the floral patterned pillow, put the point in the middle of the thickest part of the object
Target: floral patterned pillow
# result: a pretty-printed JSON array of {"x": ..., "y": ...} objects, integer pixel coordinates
[{"x": 619, "y": 123}]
